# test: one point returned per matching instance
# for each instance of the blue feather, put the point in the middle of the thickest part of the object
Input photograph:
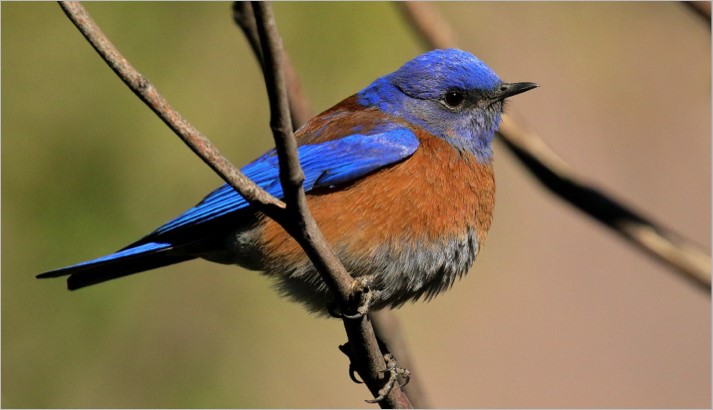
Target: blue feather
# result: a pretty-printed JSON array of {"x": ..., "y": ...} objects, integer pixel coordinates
[
  {"x": 126, "y": 253},
  {"x": 326, "y": 164}
]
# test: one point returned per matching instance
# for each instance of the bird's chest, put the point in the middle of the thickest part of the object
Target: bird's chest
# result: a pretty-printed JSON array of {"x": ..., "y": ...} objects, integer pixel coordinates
[
  {"x": 436, "y": 194},
  {"x": 414, "y": 227}
]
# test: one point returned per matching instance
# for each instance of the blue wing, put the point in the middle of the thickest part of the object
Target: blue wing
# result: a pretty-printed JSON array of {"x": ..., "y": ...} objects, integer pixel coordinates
[{"x": 330, "y": 163}]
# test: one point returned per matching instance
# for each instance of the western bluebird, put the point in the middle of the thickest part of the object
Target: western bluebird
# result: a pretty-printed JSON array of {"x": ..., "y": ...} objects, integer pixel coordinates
[{"x": 399, "y": 178}]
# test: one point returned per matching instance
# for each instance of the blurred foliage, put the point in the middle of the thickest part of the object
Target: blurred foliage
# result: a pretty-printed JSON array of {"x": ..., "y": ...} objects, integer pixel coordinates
[{"x": 87, "y": 168}]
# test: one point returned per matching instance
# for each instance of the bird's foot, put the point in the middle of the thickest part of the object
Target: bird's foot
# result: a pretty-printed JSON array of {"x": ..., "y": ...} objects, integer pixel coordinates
[
  {"x": 396, "y": 375},
  {"x": 366, "y": 297}
]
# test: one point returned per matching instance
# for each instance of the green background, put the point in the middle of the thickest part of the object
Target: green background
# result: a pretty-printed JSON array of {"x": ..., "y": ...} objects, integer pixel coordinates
[{"x": 557, "y": 312}]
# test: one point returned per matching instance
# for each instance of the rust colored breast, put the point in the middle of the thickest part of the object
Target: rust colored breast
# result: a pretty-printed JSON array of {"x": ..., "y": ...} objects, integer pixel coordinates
[{"x": 415, "y": 226}]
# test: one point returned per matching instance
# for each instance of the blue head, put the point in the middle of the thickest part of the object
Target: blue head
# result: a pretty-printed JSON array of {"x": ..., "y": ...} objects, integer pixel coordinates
[{"x": 450, "y": 93}]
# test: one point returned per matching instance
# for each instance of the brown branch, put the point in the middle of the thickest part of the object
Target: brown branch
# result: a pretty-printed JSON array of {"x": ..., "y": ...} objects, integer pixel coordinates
[
  {"x": 140, "y": 85},
  {"x": 558, "y": 176},
  {"x": 385, "y": 323},
  {"x": 300, "y": 223},
  {"x": 367, "y": 357},
  {"x": 299, "y": 105},
  {"x": 388, "y": 330},
  {"x": 430, "y": 27},
  {"x": 555, "y": 174},
  {"x": 701, "y": 8},
  {"x": 244, "y": 17},
  {"x": 368, "y": 360}
]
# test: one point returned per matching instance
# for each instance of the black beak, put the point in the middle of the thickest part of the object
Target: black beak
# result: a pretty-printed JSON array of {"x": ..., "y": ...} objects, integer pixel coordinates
[{"x": 506, "y": 90}]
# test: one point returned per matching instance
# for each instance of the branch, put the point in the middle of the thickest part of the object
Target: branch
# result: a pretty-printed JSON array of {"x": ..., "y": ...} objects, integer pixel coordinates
[
  {"x": 301, "y": 224},
  {"x": 141, "y": 86},
  {"x": 299, "y": 105},
  {"x": 430, "y": 27},
  {"x": 366, "y": 354},
  {"x": 702, "y": 9},
  {"x": 386, "y": 324},
  {"x": 388, "y": 330},
  {"x": 243, "y": 16},
  {"x": 555, "y": 174}
]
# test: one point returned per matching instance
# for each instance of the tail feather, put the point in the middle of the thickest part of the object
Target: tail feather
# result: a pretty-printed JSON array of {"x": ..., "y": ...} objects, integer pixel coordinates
[{"x": 125, "y": 262}]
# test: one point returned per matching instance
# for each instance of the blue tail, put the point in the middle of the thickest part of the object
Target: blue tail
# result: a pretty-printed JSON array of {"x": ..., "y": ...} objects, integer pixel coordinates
[{"x": 132, "y": 259}]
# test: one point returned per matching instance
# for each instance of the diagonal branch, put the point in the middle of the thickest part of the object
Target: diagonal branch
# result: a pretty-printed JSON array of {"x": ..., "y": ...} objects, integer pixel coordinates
[
  {"x": 300, "y": 223},
  {"x": 385, "y": 323},
  {"x": 388, "y": 329},
  {"x": 141, "y": 86},
  {"x": 554, "y": 173},
  {"x": 299, "y": 106},
  {"x": 702, "y": 10},
  {"x": 364, "y": 347}
]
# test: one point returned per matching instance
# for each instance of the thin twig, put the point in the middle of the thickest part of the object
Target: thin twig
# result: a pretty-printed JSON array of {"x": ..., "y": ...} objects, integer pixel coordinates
[
  {"x": 558, "y": 176},
  {"x": 244, "y": 17},
  {"x": 299, "y": 105},
  {"x": 388, "y": 330},
  {"x": 430, "y": 27},
  {"x": 197, "y": 142},
  {"x": 554, "y": 173},
  {"x": 701, "y": 8},
  {"x": 386, "y": 324},
  {"x": 369, "y": 362},
  {"x": 369, "y": 359},
  {"x": 302, "y": 224}
]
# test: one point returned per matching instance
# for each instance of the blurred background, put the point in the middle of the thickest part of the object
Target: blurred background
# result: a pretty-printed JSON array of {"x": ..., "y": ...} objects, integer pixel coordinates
[{"x": 557, "y": 312}]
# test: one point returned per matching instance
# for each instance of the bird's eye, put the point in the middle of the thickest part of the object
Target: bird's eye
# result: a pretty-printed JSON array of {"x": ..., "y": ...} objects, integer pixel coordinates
[{"x": 453, "y": 99}]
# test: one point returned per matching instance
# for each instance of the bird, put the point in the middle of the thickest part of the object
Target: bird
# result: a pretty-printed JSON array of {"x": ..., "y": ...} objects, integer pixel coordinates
[{"x": 399, "y": 178}]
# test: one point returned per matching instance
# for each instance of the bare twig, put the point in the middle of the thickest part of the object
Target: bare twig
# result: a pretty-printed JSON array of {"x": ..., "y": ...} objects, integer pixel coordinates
[
  {"x": 432, "y": 29},
  {"x": 148, "y": 94},
  {"x": 385, "y": 322},
  {"x": 365, "y": 350},
  {"x": 555, "y": 174},
  {"x": 299, "y": 105},
  {"x": 244, "y": 15},
  {"x": 301, "y": 224},
  {"x": 701, "y": 8},
  {"x": 369, "y": 362},
  {"x": 388, "y": 330}
]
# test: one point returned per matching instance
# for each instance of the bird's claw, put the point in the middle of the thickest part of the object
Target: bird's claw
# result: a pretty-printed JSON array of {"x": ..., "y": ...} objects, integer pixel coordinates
[
  {"x": 353, "y": 375},
  {"x": 352, "y": 370},
  {"x": 366, "y": 297},
  {"x": 395, "y": 373}
]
